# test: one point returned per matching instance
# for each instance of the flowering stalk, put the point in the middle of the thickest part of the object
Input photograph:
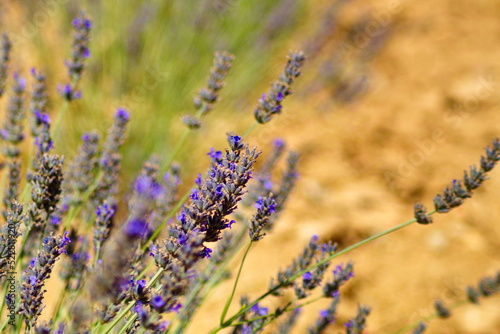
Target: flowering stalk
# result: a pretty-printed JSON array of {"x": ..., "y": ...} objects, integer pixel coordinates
[
  {"x": 204, "y": 101},
  {"x": 5, "y": 47},
  {"x": 76, "y": 64},
  {"x": 486, "y": 287},
  {"x": 230, "y": 321}
]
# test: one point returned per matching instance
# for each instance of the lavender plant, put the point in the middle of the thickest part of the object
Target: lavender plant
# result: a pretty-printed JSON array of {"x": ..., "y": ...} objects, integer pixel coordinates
[{"x": 146, "y": 262}]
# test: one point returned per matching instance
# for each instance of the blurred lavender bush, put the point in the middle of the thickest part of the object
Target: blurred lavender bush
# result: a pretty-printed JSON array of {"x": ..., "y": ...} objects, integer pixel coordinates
[{"x": 146, "y": 261}]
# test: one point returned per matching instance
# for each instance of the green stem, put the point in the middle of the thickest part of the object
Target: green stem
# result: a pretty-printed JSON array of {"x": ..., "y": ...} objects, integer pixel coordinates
[
  {"x": 231, "y": 296},
  {"x": 250, "y": 129},
  {"x": 314, "y": 266},
  {"x": 57, "y": 123},
  {"x": 75, "y": 211},
  {"x": 57, "y": 309},
  {"x": 181, "y": 141}
]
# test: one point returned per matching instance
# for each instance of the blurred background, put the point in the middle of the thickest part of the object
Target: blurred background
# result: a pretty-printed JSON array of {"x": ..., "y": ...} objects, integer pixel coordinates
[{"x": 397, "y": 98}]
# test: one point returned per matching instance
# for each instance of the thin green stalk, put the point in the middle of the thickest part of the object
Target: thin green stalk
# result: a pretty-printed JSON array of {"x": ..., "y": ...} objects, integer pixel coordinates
[
  {"x": 75, "y": 211},
  {"x": 231, "y": 296},
  {"x": 57, "y": 309},
  {"x": 176, "y": 149},
  {"x": 314, "y": 266},
  {"x": 250, "y": 129},
  {"x": 57, "y": 123},
  {"x": 181, "y": 141}
]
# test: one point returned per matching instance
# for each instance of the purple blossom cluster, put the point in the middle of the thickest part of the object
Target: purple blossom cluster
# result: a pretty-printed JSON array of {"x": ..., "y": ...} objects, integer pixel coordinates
[
  {"x": 35, "y": 276},
  {"x": 270, "y": 104}
]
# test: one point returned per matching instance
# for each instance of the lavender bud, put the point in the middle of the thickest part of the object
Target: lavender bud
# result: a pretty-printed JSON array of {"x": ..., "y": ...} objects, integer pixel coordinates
[
  {"x": 441, "y": 310},
  {"x": 69, "y": 93},
  {"x": 357, "y": 324},
  {"x": 421, "y": 214},
  {"x": 472, "y": 295},
  {"x": 191, "y": 122},
  {"x": 419, "y": 329}
]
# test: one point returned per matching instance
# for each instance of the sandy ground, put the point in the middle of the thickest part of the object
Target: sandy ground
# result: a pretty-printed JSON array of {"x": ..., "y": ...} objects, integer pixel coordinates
[{"x": 432, "y": 108}]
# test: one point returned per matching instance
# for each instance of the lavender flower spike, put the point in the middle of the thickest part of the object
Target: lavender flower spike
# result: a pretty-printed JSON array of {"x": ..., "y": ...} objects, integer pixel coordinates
[
  {"x": 326, "y": 317},
  {"x": 266, "y": 206},
  {"x": 270, "y": 104},
  {"x": 12, "y": 131},
  {"x": 207, "y": 96},
  {"x": 80, "y": 52},
  {"x": 5, "y": 47},
  {"x": 358, "y": 323},
  {"x": 38, "y": 103},
  {"x": 456, "y": 194},
  {"x": 34, "y": 277}
]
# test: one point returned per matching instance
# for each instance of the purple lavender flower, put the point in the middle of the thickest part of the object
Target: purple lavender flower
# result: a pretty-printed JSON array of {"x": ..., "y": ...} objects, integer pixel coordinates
[
  {"x": 455, "y": 194},
  {"x": 206, "y": 97},
  {"x": 69, "y": 93},
  {"x": 102, "y": 227},
  {"x": 80, "y": 51},
  {"x": 270, "y": 103},
  {"x": 341, "y": 275},
  {"x": 14, "y": 179},
  {"x": 202, "y": 219},
  {"x": 12, "y": 132},
  {"x": 34, "y": 277},
  {"x": 304, "y": 260},
  {"x": 136, "y": 228},
  {"x": 326, "y": 317},
  {"x": 75, "y": 265},
  {"x": 9, "y": 234},
  {"x": 38, "y": 103},
  {"x": 116, "y": 135},
  {"x": 149, "y": 321},
  {"x": 358, "y": 323},
  {"x": 266, "y": 206}
]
